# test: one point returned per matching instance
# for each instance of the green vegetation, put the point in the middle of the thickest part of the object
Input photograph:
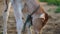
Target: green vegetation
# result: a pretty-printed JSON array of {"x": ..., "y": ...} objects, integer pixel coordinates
[
  {"x": 54, "y": 2},
  {"x": 42, "y": 0},
  {"x": 57, "y": 10},
  {"x": 1, "y": 32}
]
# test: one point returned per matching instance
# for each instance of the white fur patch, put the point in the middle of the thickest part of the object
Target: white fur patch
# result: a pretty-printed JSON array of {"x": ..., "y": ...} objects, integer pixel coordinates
[{"x": 42, "y": 16}]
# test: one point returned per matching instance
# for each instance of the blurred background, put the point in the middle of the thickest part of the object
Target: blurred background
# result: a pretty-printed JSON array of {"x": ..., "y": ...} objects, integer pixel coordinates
[
  {"x": 52, "y": 7},
  {"x": 53, "y": 2}
]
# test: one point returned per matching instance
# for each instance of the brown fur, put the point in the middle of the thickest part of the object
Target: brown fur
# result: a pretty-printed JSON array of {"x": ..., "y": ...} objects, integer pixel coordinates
[{"x": 38, "y": 22}]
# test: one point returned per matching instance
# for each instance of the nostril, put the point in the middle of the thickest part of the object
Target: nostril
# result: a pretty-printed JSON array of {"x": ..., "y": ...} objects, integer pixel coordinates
[
  {"x": 56, "y": 24},
  {"x": 22, "y": 18}
]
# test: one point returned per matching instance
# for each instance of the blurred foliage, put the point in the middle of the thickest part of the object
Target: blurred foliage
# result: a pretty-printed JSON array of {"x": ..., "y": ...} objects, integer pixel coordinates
[
  {"x": 57, "y": 10},
  {"x": 1, "y": 32},
  {"x": 54, "y": 2},
  {"x": 42, "y": 0}
]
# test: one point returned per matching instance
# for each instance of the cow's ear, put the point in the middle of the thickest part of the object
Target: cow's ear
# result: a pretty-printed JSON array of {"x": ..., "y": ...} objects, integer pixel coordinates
[{"x": 42, "y": 16}]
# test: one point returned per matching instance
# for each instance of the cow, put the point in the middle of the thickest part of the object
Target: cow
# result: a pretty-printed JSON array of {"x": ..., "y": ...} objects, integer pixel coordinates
[
  {"x": 39, "y": 18},
  {"x": 21, "y": 9}
]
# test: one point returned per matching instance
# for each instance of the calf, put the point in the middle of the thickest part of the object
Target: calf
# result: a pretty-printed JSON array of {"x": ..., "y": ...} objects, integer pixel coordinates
[{"x": 40, "y": 18}]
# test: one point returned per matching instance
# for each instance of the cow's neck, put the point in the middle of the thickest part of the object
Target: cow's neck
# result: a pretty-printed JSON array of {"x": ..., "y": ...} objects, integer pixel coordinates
[{"x": 32, "y": 5}]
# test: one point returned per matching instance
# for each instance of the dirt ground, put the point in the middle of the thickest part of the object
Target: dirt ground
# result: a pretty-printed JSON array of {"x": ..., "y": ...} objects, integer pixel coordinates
[{"x": 52, "y": 26}]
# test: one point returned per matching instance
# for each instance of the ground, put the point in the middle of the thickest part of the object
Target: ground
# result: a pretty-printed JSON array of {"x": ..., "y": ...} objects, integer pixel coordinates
[{"x": 52, "y": 26}]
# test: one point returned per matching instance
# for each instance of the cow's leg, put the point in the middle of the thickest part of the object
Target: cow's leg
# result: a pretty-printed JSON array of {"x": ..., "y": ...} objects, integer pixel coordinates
[
  {"x": 5, "y": 17},
  {"x": 18, "y": 5}
]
